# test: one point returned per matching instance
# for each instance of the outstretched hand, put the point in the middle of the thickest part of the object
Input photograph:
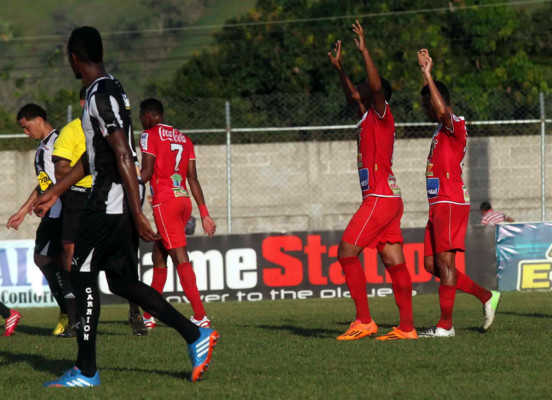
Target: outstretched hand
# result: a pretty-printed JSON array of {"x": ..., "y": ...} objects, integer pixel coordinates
[
  {"x": 15, "y": 220},
  {"x": 209, "y": 226},
  {"x": 424, "y": 61},
  {"x": 359, "y": 40},
  {"x": 336, "y": 60}
]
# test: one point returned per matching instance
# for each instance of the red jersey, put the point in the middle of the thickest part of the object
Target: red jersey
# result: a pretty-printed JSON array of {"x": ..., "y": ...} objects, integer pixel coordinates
[
  {"x": 172, "y": 151},
  {"x": 376, "y": 141},
  {"x": 445, "y": 163}
]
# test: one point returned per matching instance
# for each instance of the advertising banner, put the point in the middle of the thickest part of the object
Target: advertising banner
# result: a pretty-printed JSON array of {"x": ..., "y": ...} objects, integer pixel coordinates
[
  {"x": 524, "y": 256},
  {"x": 21, "y": 282},
  {"x": 253, "y": 267}
]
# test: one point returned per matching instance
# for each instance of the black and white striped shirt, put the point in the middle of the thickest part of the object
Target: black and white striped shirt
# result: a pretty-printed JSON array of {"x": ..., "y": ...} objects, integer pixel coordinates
[
  {"x": 45, "y": 171},
  {"x": 106, "y": 110}
]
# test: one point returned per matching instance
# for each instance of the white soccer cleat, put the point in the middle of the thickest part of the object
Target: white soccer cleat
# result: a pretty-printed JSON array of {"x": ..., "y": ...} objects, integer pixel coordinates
[
  {"x": 150, "y": 323},
  {"x": 489, "y": 309},
  {"x": 203, "y": 323},
  {"x": 436, "y": 331}
]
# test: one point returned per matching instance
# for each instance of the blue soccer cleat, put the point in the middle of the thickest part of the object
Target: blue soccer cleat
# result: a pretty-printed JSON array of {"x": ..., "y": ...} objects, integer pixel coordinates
[
  {"x": 201, "y": 350},
  {"x": 74, "y": 378}
]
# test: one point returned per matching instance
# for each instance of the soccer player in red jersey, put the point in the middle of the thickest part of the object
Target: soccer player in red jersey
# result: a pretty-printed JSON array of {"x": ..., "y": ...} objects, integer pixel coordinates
[
  {"x": 168, "y": 160},
  {"x": 376, "y": 224},
  {"x": 449, "y": 204}
]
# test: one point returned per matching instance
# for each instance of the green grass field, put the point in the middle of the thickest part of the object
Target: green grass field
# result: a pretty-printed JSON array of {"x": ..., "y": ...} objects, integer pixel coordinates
[{"x": 287, "y": 349}]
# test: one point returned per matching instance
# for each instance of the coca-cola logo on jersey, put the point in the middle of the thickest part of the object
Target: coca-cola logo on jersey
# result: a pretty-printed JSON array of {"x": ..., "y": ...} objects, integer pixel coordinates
[{"x": 171, "y": 134}]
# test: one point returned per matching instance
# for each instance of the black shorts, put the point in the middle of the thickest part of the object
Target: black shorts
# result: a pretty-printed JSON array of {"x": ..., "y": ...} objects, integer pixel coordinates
[
  {"x": 48, "y": 237},
  {"x": 106, "y": 242},
  {"x": 74, "y": 203}
]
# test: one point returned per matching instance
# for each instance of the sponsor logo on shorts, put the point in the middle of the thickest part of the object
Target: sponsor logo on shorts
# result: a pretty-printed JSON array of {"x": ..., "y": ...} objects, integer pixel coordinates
[
  {"x": 364, "y": 179},
  {"x": 432, "y": 185}
]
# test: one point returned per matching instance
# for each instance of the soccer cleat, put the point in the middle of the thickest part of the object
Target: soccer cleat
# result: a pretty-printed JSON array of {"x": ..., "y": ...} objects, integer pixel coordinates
[
  {"x": 61, "y": 324},
  {"x": 200, "y": 352},
  {"x": 396, "y": 334},
  {"x": 436, "y": 331},
  {"x": 202, "y": 323},
  {"x": 137, "y": 324},
  {"x": 70, "y": 331},
  {"x": 150, "y": 323},
  {"x": 11, "y": 322},
  {"x": 74, "y": 378},
  {"x": 359, "y": 330},
  {"x": 489, "y": 308}
]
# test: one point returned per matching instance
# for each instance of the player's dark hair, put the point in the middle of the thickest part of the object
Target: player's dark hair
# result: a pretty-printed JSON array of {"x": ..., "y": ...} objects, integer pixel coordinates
[
  {"x": 485, "y": 206},
  {"x": 441, "y": 87},
  {"x": 387, "y": 89},
  {"x": 152, "y": 105},
  {"x": 31, "y": 111},
  {"x": 82, "y": 93},
  {"x": 86, "y": 43},
  {"x": 385, "y": 85}
]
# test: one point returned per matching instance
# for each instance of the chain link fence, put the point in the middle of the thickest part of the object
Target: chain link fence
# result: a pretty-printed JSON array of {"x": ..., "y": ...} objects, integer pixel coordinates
[{"x": 286, "y": 162}]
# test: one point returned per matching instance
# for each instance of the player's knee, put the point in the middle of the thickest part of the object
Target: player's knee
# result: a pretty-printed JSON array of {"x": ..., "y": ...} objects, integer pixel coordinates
[{"x": 346, "y": 250}]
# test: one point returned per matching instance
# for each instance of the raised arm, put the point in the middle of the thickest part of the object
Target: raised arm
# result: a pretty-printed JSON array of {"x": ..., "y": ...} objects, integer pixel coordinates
[
  {"x": 351, "y": 93},
  {"x": 127, "y": 169},
  {"x": 441, "y": 109},
  {"x": 372, "y": 74},
  {"x": 209, "y": 226}
]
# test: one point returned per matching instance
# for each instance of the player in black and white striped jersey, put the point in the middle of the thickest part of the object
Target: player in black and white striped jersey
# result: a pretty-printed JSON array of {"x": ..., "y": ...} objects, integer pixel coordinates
[
  {"x": 33, "y": 119},
  {"x": 107, "y": 238}
]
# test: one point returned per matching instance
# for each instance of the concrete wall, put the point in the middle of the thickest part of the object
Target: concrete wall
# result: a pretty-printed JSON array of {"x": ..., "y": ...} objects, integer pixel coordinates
[{"x": 314, "y": 186}]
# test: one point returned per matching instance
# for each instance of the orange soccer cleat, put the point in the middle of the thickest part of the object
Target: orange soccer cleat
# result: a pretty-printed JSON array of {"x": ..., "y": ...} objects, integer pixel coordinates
[
  {"x": 359, "y": 330},
  {"x": 396, "y": 334}
]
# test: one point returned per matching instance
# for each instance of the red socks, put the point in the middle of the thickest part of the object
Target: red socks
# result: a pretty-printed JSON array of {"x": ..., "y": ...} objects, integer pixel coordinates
[
  {"x": 446, "y": 301},
  {"x": 402, "y": 289},
  {"x": 466, "y": 285},
  {"x": 188, "y": 282},
  {"x": 158, "y": 283},
  {"x": 356, "y": 281}
]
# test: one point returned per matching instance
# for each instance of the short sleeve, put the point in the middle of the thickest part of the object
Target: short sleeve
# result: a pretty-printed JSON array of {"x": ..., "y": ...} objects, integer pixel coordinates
[
  {"x": 105, "y": 109},
  {"x": 65, "y": 143},
  {"x": 148, "y": 142}
]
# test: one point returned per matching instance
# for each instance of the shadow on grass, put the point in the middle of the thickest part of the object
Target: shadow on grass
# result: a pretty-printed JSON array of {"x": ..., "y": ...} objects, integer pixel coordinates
[
  {"x": 528, "y": 315},
  {"x": 178, "y": 375},
  {"x": 33, "y": 330},
  {"x": 38, "y": 362},
  {"x": 57, "y": 366}
]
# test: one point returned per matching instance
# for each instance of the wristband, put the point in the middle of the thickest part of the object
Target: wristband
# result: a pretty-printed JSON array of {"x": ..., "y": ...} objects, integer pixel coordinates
[{"x": 203, "y": 210}]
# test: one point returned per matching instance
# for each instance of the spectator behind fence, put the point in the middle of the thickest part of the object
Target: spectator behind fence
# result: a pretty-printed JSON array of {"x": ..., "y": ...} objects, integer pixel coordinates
[{"x": 492, "y": 217}]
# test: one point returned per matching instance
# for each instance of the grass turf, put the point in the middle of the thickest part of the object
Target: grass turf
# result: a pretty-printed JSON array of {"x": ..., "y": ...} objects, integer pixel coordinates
[{"x": 287, "y": 349}]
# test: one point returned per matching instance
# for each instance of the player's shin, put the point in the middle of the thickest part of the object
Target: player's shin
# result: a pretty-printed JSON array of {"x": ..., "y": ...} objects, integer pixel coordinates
[
  {"x": 402, "y": 289},
  {"x": 356, "y": 281},
  {"x": 85, "y": 287}
]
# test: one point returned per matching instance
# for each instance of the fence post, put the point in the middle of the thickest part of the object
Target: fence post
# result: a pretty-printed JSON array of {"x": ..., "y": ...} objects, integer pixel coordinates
[
  {"x": 229, "y": 165},
  {"x": 69, "y": 113},
  {"x": 543, "y": 158}
]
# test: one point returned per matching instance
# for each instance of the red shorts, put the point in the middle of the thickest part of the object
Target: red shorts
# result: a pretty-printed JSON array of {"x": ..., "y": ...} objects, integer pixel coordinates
[
  {"x": 170, "y": 218},
  {"x": 376, "y": 222},
  {"x": 446, "y": 228}
]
